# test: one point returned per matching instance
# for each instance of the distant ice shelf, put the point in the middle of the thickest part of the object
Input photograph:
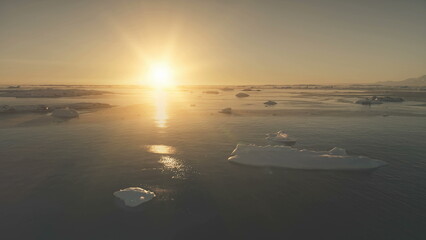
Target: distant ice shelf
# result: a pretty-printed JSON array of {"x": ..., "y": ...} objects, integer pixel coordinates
[
  {"x": 41, "y": 108},
  {"x": 134, "y": 196},
  {"x": 48, "y": 93},
  {"x": 287, "y": 157}
]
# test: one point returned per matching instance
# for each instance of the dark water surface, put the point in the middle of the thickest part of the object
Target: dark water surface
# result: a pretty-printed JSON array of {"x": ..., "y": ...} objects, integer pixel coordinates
[{"x": 57, "y": 180}]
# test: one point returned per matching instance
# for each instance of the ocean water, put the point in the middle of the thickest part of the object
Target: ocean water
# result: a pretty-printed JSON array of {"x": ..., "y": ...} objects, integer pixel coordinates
[{"x": 57, "y": 178}]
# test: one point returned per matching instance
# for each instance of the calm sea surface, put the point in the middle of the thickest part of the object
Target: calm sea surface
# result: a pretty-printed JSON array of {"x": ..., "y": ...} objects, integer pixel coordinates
[{"x": 57, "y": 178}]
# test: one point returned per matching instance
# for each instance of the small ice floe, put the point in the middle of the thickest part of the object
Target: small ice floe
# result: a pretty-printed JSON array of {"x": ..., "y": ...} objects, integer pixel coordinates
[
  {"x": 134, "y": 196},
  {"x": 368, "y": 101},
  {"x": 281, "y": 137},
  {"x": 378, "y": 100},
  {"x": 211, "y": 92},
  {"x": 226, "y": 110},
  {"x": 6, "y": 109},
  {"x": 65, "y": 113},
  {"x": 287, "y": 157},
  {"x": 388, "y": 99},
  {"x": 270, "y": 103},
  {"x": 241, "y": 95},
  {"x": 17, "y": 86}
]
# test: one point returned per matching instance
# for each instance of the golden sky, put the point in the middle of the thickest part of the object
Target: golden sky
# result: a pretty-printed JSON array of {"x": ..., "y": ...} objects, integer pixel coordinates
[{"x": 212, "y": 42}]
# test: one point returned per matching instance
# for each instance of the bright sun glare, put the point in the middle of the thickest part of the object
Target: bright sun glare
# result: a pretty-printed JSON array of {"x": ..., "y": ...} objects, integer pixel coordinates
[{"x": 161, "y": 76}]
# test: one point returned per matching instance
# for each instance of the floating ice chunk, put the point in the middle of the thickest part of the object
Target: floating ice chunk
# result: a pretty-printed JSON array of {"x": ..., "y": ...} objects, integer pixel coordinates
[
  {"x": 281, "y": 137},
  {"x": 379, "y": 100},
  {"x": 6, "y": 109},
  {"x": 390, "y": 99},
  {"x": 241, "y": 95},
  {"x": 368, "y": 101},
  {"x": 287, "y": 157},
  {"x": 211, "y": 92},
  {"x": 226, "y": 110},
  {"x": 134, "y": 196},
  {"x": 270, "y": 103},
  {"x": 65, "y": 113}
]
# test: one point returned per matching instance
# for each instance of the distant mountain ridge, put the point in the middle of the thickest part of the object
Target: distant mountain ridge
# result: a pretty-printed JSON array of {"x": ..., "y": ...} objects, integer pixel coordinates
[{"x": 420, "y": 81}]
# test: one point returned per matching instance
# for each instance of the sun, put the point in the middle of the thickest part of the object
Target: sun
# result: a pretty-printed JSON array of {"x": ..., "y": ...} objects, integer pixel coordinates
[{"x": 160, "y": 75}]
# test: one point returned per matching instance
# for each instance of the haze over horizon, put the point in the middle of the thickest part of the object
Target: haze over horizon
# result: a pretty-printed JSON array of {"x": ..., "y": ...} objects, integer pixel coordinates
[{"x": 212, "y": 42}]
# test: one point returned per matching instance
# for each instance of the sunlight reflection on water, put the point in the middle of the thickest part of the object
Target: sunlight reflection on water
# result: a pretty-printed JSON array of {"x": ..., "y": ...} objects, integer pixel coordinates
[
  {"x": 171, "y": 163},
  {"x": 160, "y": 101},
  {"x": 174, "y": 165},
  {"x": 161, "y": 149}
]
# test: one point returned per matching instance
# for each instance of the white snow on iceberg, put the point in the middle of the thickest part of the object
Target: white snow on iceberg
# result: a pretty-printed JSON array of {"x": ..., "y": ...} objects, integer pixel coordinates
[
  {"x": 281, "y": 137},
  {"x": 134, "y": 196},
  {"x": 287, "y": 157}
]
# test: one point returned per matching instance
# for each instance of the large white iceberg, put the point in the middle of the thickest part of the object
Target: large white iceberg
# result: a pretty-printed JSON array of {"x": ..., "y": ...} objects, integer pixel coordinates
[
  {"x": 134, "y": 196},
  {"x": 287, "y": 157}
]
